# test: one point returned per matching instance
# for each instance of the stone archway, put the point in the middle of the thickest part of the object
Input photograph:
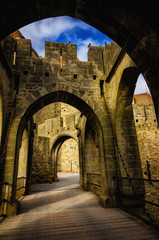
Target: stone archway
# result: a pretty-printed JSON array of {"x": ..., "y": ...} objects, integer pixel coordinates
[
  {"x": 68, "y": 157},
  {"x": 22, "y": 118},
  {"x": 55, "y": 147},
  {"x": 127, "y": 140},
  {"x": 135, "y": 32},
  {"x": 92, "y": 166},
  {"x": 128, "y": 25},
  {"x": 22, "y": 164}
]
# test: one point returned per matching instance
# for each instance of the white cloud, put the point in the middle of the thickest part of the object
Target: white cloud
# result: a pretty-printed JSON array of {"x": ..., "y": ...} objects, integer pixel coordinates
[
  {"x": 83, "y": 47},
  {"x": 82, "y": 53},
  {"x": 141, "y": 85},
  {"x": 51, "y": 27}
]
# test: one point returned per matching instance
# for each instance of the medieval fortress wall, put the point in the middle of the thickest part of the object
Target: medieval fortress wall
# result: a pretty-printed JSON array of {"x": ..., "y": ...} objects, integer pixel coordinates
[
  {"x": 148, "y": 140},
  {"x": 58, "y": 117},
  {"x": 62, "y": 65},
  {"x": 87, "y": 82},
  {"x": 53, "y": 121}
]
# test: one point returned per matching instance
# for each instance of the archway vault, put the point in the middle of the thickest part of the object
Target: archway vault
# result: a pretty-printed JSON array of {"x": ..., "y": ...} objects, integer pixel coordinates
[
  {"x": 62, "y": 137},
  {"x": 23, "y": 115},
  {"x": 127, "y": 24},
  {"x": 131, "y": 27},
  {"x": 36, "y": 100},
  {"x": 128, "y": 152},
  {"x": 55, "y": 145}
]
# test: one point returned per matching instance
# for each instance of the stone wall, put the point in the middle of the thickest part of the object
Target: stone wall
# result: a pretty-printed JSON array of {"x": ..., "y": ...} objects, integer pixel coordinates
[
  {"x": 41, "y": 81},
  {"x": 53, "y": 121},
  {"x": 44, "y": 80},
  {"x": 68, "y": 157},
  {"x": 54, "y": 118},
  {"x": 41, "y": 169},
  {"x": 48, "y": 112},
  {"x": 148, "y": 140},
  {"x": 7, "y": 104},
  {"x": 92, "y": 160}
]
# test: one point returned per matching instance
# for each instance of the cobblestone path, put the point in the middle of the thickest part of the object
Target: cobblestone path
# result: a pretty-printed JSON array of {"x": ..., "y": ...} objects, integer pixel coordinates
[{"x": 62, "y": 211}]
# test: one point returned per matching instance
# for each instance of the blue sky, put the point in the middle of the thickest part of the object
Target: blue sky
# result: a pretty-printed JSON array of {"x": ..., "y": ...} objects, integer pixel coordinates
[{"x": 64, "y": 29}]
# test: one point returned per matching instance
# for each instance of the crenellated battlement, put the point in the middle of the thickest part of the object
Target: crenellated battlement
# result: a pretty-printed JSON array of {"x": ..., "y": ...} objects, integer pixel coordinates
[
  {"x": 68, "y": 53},
  {"x": 55, "y": 51},
  {"x": 60, "y": 64},
  {"x": 60, "y": 59}
]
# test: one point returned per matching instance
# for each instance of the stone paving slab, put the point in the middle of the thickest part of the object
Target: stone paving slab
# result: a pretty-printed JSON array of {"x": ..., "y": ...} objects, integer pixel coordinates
[{"x": 63, "y": 211}]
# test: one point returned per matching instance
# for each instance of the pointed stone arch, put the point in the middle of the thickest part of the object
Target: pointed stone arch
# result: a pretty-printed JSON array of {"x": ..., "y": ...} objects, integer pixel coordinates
[
  {"x": 55, "y": 145},
  {"x": 31, "y": 104},
  {"x": 126, "y": 136}
]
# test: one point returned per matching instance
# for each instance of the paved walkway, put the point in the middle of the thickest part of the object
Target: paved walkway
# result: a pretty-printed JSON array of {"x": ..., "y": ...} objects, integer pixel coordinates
[{"x": 62, "y": 211}]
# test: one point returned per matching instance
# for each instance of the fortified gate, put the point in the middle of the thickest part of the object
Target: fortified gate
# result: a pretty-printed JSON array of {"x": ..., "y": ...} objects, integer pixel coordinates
[{"x": 101, "y": 89}]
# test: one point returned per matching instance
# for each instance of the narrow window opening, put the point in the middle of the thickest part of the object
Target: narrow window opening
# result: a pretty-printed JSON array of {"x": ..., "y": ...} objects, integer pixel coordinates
[
  {"x": 75, "y": 76},
  {"x": 16, "y": 82},
  {"x": 25, "y": 72},
  {"x": 61, "y": 121},
  {"x": 94, "y": 77},
  {"x": 47, "y": 74},
  {"x": 102, "y": 87},
  {"x": 137, "y": 120}
]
